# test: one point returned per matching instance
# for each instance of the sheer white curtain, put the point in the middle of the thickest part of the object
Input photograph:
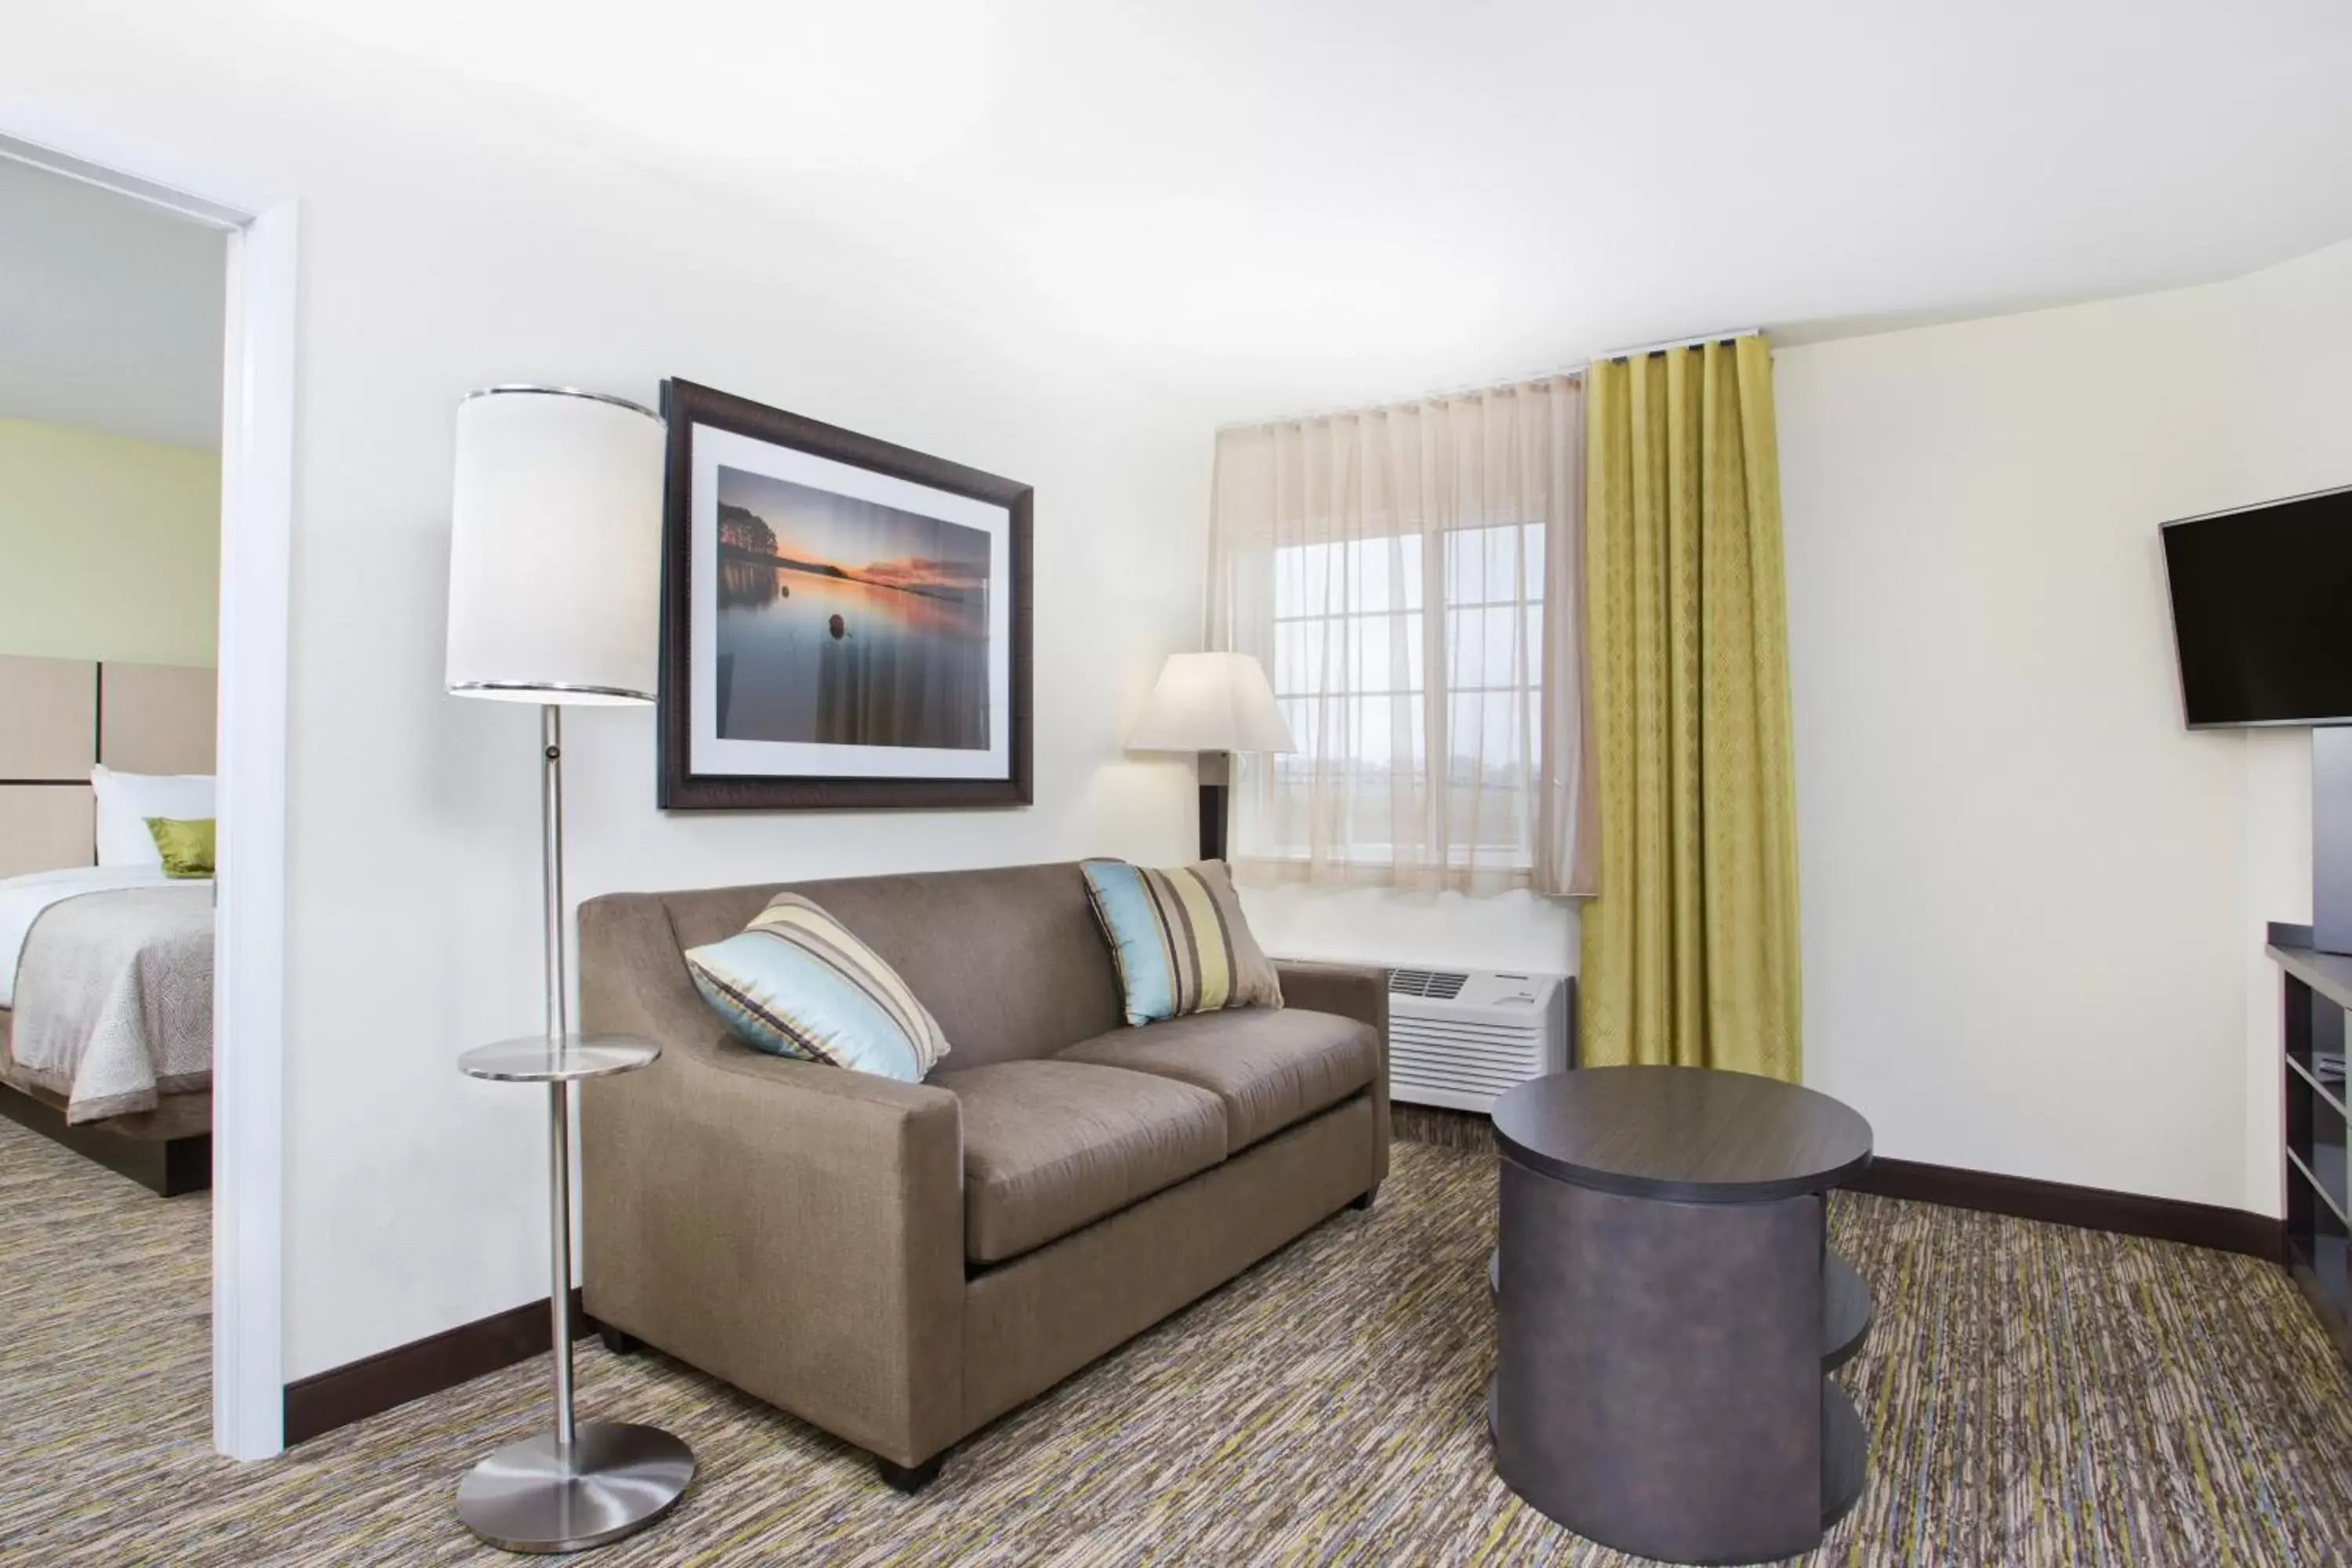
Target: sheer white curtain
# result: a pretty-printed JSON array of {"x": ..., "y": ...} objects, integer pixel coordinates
[{"x": 1411, "y": 578}]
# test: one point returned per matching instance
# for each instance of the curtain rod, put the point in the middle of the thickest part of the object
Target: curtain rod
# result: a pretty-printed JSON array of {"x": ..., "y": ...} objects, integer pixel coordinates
[
  {"x": 1674, "y": 344},
  {"x": 1439, "y": 394}
]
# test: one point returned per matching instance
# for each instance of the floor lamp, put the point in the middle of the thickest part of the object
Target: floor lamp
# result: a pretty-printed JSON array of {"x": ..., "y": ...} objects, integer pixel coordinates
[
  {"x": 555, "y": 561},
  {"x": 1214, "y": 704}
]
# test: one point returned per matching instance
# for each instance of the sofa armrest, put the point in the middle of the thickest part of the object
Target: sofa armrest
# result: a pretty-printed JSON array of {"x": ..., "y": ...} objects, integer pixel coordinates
[
  {"x": 795, "y": 1229},
  {"x": 1352, "y": 990}
]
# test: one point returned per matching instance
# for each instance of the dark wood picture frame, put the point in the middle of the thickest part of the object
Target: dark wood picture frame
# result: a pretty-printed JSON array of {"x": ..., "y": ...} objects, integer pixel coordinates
[{"x": 686, "y": 405}]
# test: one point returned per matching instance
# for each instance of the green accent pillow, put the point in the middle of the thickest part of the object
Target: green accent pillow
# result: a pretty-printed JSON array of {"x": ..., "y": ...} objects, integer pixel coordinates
[{"x": 186, "y": 846}]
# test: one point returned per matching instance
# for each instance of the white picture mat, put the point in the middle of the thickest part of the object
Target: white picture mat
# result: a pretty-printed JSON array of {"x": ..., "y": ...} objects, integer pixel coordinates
[{"x": 707, "y": 752}]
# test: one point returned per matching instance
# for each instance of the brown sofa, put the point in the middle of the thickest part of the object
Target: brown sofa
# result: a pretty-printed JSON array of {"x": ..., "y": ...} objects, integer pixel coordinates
[{"x": 902, "y": 1263}]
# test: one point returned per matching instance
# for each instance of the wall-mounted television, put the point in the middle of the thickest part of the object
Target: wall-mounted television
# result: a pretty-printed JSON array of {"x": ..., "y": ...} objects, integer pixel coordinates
[{"x": 2262, "y": 612}]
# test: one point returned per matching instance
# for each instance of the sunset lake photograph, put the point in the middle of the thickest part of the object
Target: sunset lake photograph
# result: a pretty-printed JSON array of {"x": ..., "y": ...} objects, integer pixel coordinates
[{"x": 846, "y": 622}]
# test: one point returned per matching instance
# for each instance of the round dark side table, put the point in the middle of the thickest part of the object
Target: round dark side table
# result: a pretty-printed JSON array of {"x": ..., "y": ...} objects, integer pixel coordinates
[{"x": 1670, "y": 1311}]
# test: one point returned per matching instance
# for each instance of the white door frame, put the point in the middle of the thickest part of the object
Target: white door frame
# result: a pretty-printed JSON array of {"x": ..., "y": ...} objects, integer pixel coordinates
[{"x": 249, "y": 942}]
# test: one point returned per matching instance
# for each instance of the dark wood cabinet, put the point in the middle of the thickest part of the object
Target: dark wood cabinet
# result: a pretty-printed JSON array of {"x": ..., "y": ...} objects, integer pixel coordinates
[{"x": 2318, "y": 989}]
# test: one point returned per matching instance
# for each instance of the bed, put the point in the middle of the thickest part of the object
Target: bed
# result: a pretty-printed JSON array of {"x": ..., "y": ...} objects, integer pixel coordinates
[{"x": 105, "y": 969}]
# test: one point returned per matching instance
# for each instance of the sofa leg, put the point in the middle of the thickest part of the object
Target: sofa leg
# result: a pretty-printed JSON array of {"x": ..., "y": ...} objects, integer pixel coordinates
[
  {"x": 911, "y": 1478},
  {"x": 617, "y": 1341},
  {"x": 1363, "y": 1200}
]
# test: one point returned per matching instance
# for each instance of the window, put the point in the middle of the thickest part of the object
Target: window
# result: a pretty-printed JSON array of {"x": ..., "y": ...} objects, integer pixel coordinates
[
  {"x": 1355, "y": 644},
  {"x": 1408, "y": 575}
]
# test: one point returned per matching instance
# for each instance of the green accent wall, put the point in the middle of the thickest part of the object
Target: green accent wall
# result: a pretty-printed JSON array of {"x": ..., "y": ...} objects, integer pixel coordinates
[{"x": 109, "y": 548}]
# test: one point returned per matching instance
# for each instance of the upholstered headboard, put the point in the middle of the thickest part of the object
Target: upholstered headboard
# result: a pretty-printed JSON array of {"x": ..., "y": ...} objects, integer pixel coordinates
[{"x": 57, "y": 717}]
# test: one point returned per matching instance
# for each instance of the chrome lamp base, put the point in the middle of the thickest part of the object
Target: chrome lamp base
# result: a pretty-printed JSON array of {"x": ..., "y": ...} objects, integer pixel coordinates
[{"x": 620, "y": 1479}]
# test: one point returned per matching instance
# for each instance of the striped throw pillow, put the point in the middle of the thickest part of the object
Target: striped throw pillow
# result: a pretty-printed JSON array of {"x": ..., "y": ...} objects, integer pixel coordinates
[
  {"x": 1178, "y": 939},
  {"x": 798, "y": 983}
]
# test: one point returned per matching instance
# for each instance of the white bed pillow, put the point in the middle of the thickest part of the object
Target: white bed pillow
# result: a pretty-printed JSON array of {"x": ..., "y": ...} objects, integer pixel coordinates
[{"x": 125, "y": 802}]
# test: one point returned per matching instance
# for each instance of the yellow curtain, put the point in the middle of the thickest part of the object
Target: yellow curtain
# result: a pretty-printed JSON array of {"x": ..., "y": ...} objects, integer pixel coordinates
[{"x": 1690, "y": 951}]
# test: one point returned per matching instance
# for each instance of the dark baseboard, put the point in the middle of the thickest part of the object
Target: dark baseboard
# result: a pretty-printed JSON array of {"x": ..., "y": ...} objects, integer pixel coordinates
[
  {"x": 164, "y": 1166},
  {"x": 2021, "y": 1197},
  {"x": 343, "y": 1395},
  {"x": 2090, "y": 1208}
]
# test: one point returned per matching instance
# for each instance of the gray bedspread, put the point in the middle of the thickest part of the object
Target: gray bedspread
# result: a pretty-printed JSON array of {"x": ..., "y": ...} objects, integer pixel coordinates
[{"x": 114, "y": 999}]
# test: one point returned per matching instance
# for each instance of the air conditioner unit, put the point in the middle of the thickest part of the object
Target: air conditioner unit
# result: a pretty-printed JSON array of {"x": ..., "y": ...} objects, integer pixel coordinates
[{"x": 1461, "y": 1037}]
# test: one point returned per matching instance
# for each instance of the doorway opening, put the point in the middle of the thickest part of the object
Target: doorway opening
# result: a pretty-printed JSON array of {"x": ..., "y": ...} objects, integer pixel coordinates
[{"x": 125, "y": 698}]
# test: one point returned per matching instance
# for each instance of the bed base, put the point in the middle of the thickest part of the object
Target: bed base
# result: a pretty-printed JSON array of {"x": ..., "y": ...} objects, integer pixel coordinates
[{"x": 168, "y": 1150}]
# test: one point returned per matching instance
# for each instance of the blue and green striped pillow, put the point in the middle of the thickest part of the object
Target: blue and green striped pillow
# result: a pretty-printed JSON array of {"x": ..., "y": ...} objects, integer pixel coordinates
[
  {"x": 1178, "y": 939},
  {"x": 798, "y": 983}
]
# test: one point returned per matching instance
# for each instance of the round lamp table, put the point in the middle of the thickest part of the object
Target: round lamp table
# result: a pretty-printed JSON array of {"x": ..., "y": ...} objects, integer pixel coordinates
[
  {"x": 577, "y": 1486},
  {"x": 1670, "y": 1311}
]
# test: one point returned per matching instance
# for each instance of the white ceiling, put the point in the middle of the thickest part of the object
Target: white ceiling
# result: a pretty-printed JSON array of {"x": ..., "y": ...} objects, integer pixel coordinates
[
  {"x": 1274, "y": 203},
  {"x": 110, "y": 311},
  {"x": 1263, "y": 206}
]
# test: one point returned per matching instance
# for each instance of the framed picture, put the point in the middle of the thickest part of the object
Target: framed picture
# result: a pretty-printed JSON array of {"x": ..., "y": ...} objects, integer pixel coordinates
[{"x": 844, "y": 623}]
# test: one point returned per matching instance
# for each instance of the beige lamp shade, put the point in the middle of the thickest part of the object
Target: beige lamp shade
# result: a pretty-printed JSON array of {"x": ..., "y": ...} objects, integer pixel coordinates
[
  {"x": 555, "y": 548},
  {"x": 1213, "y": 702}
]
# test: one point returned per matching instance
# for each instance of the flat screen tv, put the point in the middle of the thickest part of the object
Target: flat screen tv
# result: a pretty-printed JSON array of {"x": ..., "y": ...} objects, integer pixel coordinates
[{"x": 2262, "y": 612}]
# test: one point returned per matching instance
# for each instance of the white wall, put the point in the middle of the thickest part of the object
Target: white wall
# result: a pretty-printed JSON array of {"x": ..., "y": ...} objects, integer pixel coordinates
[
  {"x": 110, "y": 547},
  {"x": 2032, "y": 900},
  {"x": 447, "y": 247},
  {"x": 1380, "y": 925}
]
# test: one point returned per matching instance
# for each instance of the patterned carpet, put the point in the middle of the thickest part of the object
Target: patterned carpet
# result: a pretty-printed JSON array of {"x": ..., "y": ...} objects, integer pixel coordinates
[{"x": 2034, "y": 1394}]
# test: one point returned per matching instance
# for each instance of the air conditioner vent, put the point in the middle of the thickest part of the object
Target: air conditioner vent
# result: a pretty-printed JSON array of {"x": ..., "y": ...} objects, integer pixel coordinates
[
  {"x": 1443, "y": 984},
  {"x": 1465, "y": 1038}
]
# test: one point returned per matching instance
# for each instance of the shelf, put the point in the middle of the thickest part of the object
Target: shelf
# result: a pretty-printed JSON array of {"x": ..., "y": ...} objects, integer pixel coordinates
[
  {"x": 1845, "y": 1310},
  {"x": 2328, "y": 973},
  {"x": 2316, "y": 1138},
  {"x": 2316, "y": 1034},
  {"x": 2327, "y": 1258},
  {"x": 2326, "y": 1163},
  {"x": 2313, "y": 1184},
  {"x": 2322, "y": 1265},
  {"x": 1845, "y": 1453},
  {"x": 2328, "y": 1086}
]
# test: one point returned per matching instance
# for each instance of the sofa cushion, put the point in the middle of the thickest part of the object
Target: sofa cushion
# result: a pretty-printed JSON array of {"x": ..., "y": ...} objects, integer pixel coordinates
[
  {"x": 1269, "y": 1069},
  {"x": 1049, "y": 1147}
]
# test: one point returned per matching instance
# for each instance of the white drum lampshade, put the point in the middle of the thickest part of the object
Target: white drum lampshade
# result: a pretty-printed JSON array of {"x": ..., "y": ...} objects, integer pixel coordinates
[
  {"x": 555, "y": 548},
  {"x": 1213, "y": 702}
]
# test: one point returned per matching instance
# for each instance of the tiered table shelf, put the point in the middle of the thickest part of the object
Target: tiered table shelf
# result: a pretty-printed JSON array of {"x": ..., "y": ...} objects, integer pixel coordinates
[{"x": 1640, "y": 1208}]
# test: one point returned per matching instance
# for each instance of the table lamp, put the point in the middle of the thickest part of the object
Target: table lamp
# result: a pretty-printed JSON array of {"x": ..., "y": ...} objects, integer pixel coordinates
[
  {"x": 555, "y": 572},
  {"x": 1214, "y": 704}
]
